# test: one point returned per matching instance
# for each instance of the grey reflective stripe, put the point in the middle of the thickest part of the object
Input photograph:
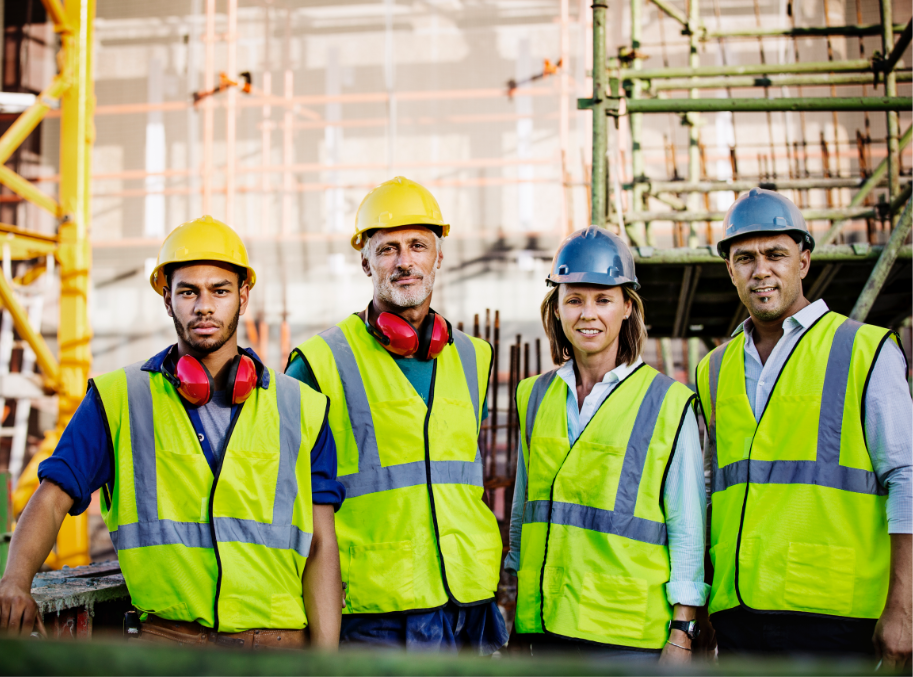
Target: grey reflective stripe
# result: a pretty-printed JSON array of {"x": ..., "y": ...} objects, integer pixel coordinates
[
  {"x": 632, "y": 468},
  {"x": 162, "y": 532},
  {"x": 277, "y": 536},
  {"x": 467, "y": 353},
  {"x": 372, "y": 477},
  {"x": 716, "y": 362},
  {"x": 151, "y": 531},
  {"x": 826, "y": 470},
  {"x": 142, "y": 438},
  {"x": 536, "y": 395},
  {"x": 594, "y": 519},
  {"x": 833, "y": 394},
  {"x": 830, "y": 475},
  {"x": 288, "y": 399}
]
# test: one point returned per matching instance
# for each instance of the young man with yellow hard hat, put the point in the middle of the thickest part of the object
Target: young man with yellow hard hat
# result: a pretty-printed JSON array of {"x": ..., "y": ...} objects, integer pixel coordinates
[
  {"x": 218, "y": 475},
  {"x": 419, "y": 549}
]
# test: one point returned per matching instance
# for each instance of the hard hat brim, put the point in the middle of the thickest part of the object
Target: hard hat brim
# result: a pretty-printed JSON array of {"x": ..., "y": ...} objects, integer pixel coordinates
[
  {"x": 158, "y": 281},
  {"x": 723, "y": 246},
  {"x": 592, "y": 278},
  {"x": 419, "y": 221}
]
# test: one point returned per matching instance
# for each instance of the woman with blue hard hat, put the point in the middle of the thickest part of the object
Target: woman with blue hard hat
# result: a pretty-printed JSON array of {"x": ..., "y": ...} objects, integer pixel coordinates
[{"x": 607, "y": 526}]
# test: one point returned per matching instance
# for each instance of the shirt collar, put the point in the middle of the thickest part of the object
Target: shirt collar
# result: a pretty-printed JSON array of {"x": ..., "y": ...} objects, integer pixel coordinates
[
  {"x": 619, "y": 373},
  {"x": 156, "y": 364},
  {"x": 804, "y": 318}
]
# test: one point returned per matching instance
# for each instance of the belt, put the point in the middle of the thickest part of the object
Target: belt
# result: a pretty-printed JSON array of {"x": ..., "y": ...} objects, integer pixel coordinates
[{"x": 161, "y": 631}]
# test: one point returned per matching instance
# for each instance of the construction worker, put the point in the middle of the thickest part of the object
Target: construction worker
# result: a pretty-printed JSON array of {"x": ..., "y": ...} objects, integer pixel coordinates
[
  {"x": 419, "y": 549},
  {"x": 607, "y": 527},
  {"x": 809, "y": 421},
  {"x": 218, "y": 475}
]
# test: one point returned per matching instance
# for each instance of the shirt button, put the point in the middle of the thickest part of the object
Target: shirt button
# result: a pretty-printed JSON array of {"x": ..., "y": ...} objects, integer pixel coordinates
[{"x": 200, "y": 436}]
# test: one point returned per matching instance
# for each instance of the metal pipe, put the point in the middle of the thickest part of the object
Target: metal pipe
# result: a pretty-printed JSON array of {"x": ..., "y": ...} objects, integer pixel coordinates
[
  {"x": 849, "y": 66},
  {"x": 694, "y": 131},
  {"x": 774, "y": 81},
  {"x": 24, "y": 125},
  {"x": 636, "y": 123},
  {"x": 600, "y": 133},
  {"x": 854, "y": 103},
  {"x": 899, "y": 48},
  {"x": 874, "y": 180},
  {"x": 672, "y": 12},
  {"x": 648, "y": 256},
  {"x": 809, "y": 214},
  {"x": 231, "y": 44},
  {"x": 890, "y": 89},
  {"x": 886, "y": 261},
  {"x": 798, "y": 32},
  {"x": 58, "y": 16},
  {"x": 208, "y": 104},
  {"x": 658, "y": 187},
  {"x": 46, "y": 360},
  {"x": 22, "y": 186}
]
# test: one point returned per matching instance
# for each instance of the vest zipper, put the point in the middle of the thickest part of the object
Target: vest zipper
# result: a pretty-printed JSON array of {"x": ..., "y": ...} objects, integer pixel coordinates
[
  {"x": 738, "y": 542},
  {"x": 551, "y": 498},
  {"x": 212, "y": 519}
]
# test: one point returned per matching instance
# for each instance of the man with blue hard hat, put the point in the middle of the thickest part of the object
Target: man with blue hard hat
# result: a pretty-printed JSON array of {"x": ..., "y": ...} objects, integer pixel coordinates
[{"x": 809, "y": 423}]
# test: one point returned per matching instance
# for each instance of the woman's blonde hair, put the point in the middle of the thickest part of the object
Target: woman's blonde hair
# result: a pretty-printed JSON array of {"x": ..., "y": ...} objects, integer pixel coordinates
[{"x": 631, "y": 339}]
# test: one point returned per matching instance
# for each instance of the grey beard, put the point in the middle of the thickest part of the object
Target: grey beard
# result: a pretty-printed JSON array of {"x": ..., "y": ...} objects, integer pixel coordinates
[{"x": 406, "y": 298}]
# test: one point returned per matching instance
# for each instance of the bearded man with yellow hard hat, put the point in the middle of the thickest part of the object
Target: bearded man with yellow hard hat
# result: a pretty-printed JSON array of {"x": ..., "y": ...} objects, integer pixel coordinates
[
  {"x": 420, "y": 551},
  {"x": 218, "y": 476}
]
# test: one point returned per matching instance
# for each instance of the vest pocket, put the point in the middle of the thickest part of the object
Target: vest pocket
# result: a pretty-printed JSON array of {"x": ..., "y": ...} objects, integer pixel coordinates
[
  {"x": 381, "y": 577},
  {"x": 613, "y": 605},
  {"x": 473, "y": 564},
  {"x": 820, "y": 578},
  {"x": 286, "y": 612}
]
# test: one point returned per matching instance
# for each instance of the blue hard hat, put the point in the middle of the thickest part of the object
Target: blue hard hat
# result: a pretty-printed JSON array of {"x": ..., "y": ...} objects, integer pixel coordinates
[
  {"x": 593, "y": 255},
  {"x": 763, "y": 211}
]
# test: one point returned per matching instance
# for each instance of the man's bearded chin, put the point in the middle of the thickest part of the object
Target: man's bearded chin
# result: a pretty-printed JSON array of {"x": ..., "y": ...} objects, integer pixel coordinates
[
  {"x": 210, "y": 344},
  {"x": 415, "y": 295}
]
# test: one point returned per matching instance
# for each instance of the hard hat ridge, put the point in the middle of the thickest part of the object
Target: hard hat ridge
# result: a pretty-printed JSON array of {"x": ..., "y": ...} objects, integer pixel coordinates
[
  {"x": 593, "y": 255},
  {"x": 762, "y": 211}
]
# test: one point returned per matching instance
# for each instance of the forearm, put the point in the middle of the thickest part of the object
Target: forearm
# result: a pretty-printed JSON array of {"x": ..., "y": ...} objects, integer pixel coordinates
[
  {"x": 36, "y": 533},
  {"x": 323, "y": 583},
  {"x": 682, "y": 612},
  {"x": 900, "y": 587}
]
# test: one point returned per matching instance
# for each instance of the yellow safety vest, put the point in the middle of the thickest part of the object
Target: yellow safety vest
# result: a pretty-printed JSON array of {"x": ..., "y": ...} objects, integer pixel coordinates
[
  {"x": 227, "y": 552},
  {"x": 414, "y": 530},
  {"x": 594, "y": 556},
  {"x": 798, "y": 516}
]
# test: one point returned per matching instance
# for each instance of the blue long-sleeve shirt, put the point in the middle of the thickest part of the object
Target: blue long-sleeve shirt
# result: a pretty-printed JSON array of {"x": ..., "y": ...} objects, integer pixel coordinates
[
  {"x": 684, "y": 499},
  {"x": 81, "y": 463}
]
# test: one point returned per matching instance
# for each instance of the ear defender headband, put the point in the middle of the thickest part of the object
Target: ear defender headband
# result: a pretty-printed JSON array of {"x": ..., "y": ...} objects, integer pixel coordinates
[
  {"x": 194, "y": 382},
  {"x": 399, "y": 337}
]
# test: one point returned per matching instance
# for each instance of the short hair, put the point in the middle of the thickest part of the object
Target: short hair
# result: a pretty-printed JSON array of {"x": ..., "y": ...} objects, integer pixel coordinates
[
  {"x": 631, "y": 339},
  {"x": 169, "y": 269}
]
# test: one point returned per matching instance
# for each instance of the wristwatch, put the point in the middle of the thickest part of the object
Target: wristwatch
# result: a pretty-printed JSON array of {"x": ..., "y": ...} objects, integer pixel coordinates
[{"x": 690, "y": 628}]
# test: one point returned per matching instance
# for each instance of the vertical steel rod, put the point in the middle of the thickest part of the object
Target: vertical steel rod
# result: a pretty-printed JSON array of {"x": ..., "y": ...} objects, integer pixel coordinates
[
  {"x": 890, "y": 89},
  {"x": 694, "y": 132},
  {"x": 636, "y": 120},
  {"x": 600, "y": 91}
]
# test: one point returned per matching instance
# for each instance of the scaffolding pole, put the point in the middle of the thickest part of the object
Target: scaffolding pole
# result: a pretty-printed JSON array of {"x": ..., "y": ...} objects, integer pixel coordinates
[
  {"x": 849, "y": 66},
  {"x": 758, "y": 105},
  {"x": 600, "y": 172}
]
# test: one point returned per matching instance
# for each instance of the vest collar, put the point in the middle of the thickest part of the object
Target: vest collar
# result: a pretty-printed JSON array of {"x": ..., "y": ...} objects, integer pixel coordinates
[{"x": 156, "y": 364}]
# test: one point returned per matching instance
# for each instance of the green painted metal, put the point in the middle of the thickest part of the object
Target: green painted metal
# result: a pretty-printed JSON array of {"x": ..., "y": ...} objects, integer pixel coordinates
[
  {"x": 891, "y": 61},
  {"x": 880, "y": 273},
  {"x": 600, "y": 172},
  {"x": 850, "y": 66},
  {"x": 833, "y": 253},
  {"x": 636, "y": 121},
  {"x": 890, "y": 89},
  {"x": 809, "y": 214},
  {"x": 799, "y": 32},
  {"x": 870, "y": 184},
  {"x": 820, "y": 79},
  {"x": 6, "y": 517},
  {"x": 656, "y": 187},
  {"x": 853, "y": 103},
  {"x": 672, "y": 11},
  {"x": 693, "y": 121}
]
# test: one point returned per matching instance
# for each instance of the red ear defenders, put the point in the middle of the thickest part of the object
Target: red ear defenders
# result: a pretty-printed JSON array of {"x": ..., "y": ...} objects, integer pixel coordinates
[
  {"x": 194, "y": 382},
  {"x": 400, "y": 338}
]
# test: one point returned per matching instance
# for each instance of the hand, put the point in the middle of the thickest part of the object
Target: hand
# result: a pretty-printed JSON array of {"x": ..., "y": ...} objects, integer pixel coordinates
[
  {"x": 18, "y": 611},
  {"x": 893, "y": 639},
  {"x": 673, "y": 655}
]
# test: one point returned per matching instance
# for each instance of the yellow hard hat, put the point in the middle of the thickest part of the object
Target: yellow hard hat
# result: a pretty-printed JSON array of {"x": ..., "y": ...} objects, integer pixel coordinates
[
  {"x": 203, "y": 239},
  {"x": 394, "y": 203}
]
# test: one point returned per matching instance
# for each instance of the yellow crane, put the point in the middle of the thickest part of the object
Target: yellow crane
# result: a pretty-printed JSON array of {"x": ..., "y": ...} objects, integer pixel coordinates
[{"x": 67, "y": 374}]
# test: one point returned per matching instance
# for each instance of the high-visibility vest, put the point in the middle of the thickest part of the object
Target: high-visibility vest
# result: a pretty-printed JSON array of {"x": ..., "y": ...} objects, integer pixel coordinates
[
  {"x": 798, "y": 518},
  {"x": 413, "y": 531},
  {"x": 594, "y": 556},
  {"x": 227, "y": 552}
]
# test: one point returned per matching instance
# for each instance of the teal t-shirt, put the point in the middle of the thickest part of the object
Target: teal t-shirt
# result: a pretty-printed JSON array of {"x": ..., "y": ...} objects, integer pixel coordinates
[{"x": 418, "y": 372}]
